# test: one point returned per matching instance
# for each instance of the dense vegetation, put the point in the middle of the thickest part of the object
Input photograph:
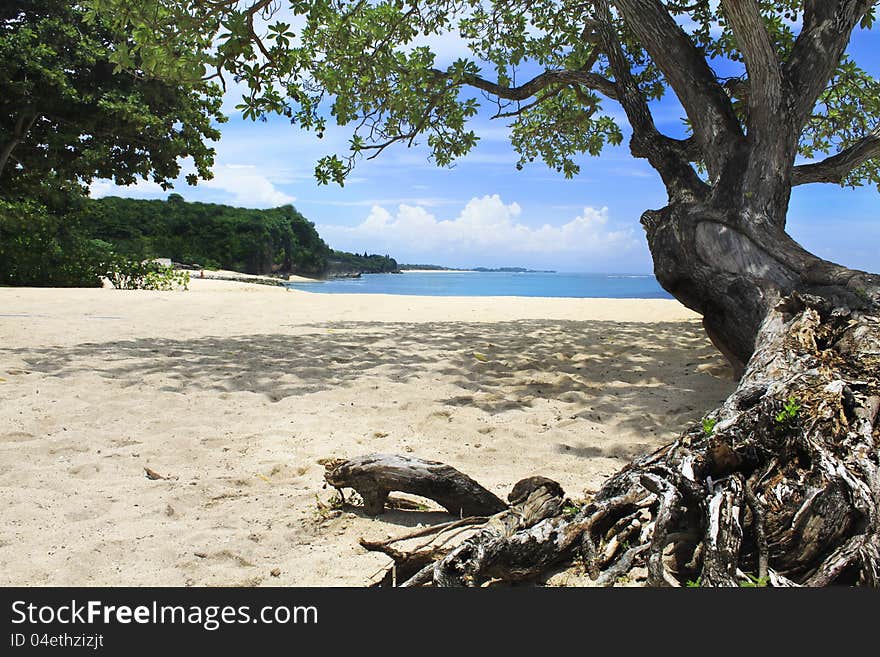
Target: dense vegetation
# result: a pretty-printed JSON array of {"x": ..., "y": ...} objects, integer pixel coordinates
[
  {"x": 342, "y": 263},
  {"x": 89, "y": 239},
  {"x": 210, "y": 235},
  {"x": 40, "y": 248},
  {"x": 426, "y": 267}
]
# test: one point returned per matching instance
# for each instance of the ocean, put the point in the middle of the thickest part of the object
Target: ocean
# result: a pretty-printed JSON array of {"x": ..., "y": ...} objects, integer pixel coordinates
[{"x": 485, "y": 284}]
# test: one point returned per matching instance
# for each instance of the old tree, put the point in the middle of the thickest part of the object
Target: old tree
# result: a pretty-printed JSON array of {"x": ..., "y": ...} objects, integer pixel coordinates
[{"x": 781, "y": 482}]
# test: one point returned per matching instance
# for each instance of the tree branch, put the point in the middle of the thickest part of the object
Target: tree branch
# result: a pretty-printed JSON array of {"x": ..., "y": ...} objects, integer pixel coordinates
[
  {"x": 826, "y": 31},
  {"x": 540, "y": 82},
  {"x": 762, "y": 66},
  {"x": 685, "y": 68},
  {"x": 22, "y": 126},
  {"x": 835, "y": 168},
  {"x": 662, "y": 153}
]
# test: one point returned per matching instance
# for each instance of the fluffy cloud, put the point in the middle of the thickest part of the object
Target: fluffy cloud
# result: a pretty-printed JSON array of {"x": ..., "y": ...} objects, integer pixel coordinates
[
  {"x": 247, "y": 186},
  {"x": 242, "y": 185},
  {"x": 485, "y": 227}
]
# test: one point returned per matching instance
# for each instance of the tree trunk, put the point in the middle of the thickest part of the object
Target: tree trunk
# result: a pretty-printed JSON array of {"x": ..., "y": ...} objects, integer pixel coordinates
[{"x": 733, "y": 267}]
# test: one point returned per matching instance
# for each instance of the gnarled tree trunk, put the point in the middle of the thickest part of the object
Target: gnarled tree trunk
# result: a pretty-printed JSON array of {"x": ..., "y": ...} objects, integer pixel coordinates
[{"x": 733, "y": 268}]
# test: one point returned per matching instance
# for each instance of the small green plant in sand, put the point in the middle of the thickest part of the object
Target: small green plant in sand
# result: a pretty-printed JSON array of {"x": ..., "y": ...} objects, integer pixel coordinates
[
  {"x": 694, "y": 583},
  {"x": 572, "y": 507},
  {"x": 333, "y": 507},
  {"x": 166, "y": 278}
]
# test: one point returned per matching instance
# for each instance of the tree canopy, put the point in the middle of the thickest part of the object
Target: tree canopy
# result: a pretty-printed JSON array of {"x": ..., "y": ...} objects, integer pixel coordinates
[
  {"x": 551, "y": 68},
  {"x": 68, "y": 114}
]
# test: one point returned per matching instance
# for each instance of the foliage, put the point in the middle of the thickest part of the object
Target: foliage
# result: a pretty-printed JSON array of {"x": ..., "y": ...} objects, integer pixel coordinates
[
  {"x": 39, "y": 248},
  {"x": 709, "y": 425},
  {"x": 425, "y": 267},
  {"x": 752, "y": 582},
  {"x": 788, "y": 413},
  {"x": 541, "y": 64},
  {"x": 127, "y": 274},
  {"x": 343, "y": 262},
  {"x": 67, "y": 118},
  {"x": 43, "y": 249},
  {"x": 211, "y": 235}
]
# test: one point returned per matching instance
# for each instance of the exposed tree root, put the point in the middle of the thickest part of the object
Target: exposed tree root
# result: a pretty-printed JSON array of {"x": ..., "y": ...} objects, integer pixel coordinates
[{"x": 779, "y": 486}]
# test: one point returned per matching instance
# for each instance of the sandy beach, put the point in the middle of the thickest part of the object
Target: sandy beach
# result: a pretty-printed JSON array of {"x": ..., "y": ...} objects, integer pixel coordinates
[{"x": 234, "y": 392}]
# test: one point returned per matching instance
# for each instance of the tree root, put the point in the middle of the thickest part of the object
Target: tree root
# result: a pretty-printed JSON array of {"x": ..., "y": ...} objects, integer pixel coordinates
[{"x": 782, "y": 490}]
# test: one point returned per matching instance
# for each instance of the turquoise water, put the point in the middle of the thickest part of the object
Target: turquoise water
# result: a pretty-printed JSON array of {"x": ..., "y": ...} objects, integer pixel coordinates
[{"x": 483, "y": 284}]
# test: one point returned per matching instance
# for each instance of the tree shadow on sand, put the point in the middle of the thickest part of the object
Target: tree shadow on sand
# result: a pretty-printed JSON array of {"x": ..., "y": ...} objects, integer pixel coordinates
[{"x": 596, "y": 371}]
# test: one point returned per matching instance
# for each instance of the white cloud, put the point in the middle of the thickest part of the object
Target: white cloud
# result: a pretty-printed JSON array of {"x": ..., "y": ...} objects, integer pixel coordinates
[
  {"x": 486, "y": 226},
  {"x": 243, "y": 185},
  {"x": 248, "y": 186},
  {"x": 141, "y": 189}
]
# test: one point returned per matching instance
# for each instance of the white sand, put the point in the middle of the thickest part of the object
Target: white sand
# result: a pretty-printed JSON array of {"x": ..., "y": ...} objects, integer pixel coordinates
[{"x": 235, "y": 391}]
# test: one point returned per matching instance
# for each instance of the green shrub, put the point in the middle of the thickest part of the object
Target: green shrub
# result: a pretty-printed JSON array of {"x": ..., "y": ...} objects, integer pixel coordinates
[
  {"x": 128, "y": 274},
  {"x": 41, "y": 249}
]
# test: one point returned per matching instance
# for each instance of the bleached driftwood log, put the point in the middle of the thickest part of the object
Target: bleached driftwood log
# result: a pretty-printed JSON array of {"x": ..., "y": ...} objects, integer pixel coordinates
[{"x": 374, "y": 476}]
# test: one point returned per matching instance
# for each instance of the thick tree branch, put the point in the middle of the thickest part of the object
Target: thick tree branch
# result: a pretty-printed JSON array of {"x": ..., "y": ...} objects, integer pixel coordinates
[
  {"x": 771, "y": 136},
  {"x": 816, "y": 54},
  {"x": 835, "y": 168},
  {"x": 663, "y": 154},
  {"x": 540, "y": 82},
  {"x": 762, "y": 66},
  {"x": 708, "y": 107}
]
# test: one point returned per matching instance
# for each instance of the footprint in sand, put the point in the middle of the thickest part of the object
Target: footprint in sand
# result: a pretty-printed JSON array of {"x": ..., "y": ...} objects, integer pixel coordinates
[
  {"x": 16, "y": 437},
  {"x": 68, "y": 449},
  {"x": 94, "y": 510},
  {"x": 86, "y": 470}
]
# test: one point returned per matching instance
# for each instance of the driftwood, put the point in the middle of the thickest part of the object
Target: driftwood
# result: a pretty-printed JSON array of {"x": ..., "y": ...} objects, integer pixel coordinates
[
  {"x": 376, "y": 475},
  {"x": 780, "y": 486}
]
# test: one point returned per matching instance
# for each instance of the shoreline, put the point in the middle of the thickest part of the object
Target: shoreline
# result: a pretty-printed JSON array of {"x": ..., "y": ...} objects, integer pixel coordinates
[
  {"x": 236, "y": 391},
  {"x": 239, "y": 277}
]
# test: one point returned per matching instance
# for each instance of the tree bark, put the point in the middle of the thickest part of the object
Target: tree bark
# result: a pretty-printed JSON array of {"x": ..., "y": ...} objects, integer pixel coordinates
[{"x": 733, "y": 268}]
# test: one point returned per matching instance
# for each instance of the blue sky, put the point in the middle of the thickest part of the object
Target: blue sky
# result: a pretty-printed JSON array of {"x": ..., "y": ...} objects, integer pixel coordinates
[{"x": 482, "y": 211}]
